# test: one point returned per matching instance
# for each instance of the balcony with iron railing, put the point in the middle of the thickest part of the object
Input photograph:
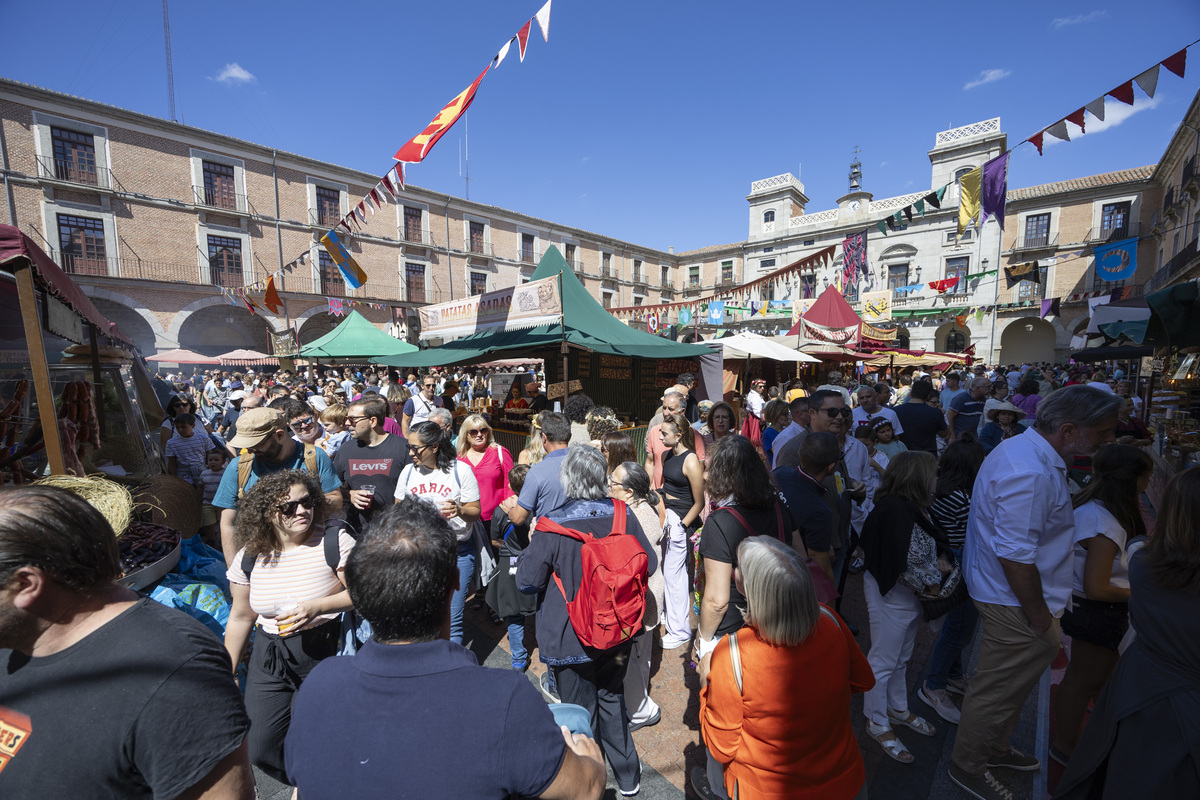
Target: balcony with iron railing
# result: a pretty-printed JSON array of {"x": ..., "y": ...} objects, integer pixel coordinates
[
  {"x": 221, "y": 199},
  {"x": 412, "y": 235},
  {"x": 478, "y": 248},
  {"x": 576, "y": 264},
  {"x": 1170, "y": 201},
  {"x": 1179, "y": 264},
  {"x": 1114, "y": 233},
  {"x": 639, "y": 279},
  {"x": 608, "y": 273},
  {"x": 526, "y": 255},
  {"x": 324, "y": 218},
  {"x": 667, "y": 285},
  {"x": 57, "y": 169},
  {"x": 1041, "y": 241},
  {"x": 694, "y": 286}
]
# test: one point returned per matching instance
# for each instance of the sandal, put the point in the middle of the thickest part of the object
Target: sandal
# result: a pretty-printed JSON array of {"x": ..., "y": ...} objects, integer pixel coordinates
[
  {"x": 890, "y": 743},
  {"x": 918, "y": 724}
]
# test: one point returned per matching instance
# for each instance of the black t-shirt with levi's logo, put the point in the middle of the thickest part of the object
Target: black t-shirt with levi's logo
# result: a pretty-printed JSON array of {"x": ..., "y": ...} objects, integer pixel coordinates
[{"x": 358, "y": 465}]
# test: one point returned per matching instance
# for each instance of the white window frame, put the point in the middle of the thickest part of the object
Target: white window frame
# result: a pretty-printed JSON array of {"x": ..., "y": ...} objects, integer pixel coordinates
[
  {"x": 402, "y": 277},
  {"x": 1135, "y": 209},
  {"x": 198, "y": 157},
  {"x": 487, "y": 235},
  {"x": 311, "y": 184},
  {"x": 538, "y": 247},
  {"x": 206, "y": 229},
  {"x": 44, "y": 145},
  {"x": 52, "y": 208},
  {"x": 611, "y": 261}
]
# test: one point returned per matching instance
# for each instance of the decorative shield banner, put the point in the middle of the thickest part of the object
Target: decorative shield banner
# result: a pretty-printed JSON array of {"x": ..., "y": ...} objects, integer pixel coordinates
[
  {"x": 716, "y": 312},
  {"x": 799, "y": 307},
  {"x": 1116, "y": 261},
  {"x": 515, "y": 308},
  {"x": 877, "y": 306},
  {"x": 685, "y": 316},
  {"x": 652, "y": 322}
]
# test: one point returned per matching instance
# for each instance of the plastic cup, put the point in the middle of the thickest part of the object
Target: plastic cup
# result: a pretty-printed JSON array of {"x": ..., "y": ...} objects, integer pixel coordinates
[
  {"x": 368, "y": 487},
  {"x": 284, "y": 608}
]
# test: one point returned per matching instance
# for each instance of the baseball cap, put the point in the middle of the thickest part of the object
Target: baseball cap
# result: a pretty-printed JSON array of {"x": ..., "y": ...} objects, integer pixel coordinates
[
  {"x": 238, "y": 395},
  {"x": 256, "y": 425}
]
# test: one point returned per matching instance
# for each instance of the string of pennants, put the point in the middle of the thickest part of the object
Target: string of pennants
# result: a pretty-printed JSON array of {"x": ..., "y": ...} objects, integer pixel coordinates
[{"x": 390, "y": 185}]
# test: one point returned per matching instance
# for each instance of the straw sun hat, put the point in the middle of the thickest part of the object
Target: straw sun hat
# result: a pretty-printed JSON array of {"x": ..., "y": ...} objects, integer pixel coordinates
[{"x": 1004, "y": 406}]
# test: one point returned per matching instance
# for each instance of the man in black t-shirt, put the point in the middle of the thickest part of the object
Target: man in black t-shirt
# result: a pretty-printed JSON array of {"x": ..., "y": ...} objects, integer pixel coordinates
[
  {"x": 802, "y": 489},
  {"x": 922, "y": 422},
  {"x": 371, "y": 458},
  {"x": 103, "y": 692}
]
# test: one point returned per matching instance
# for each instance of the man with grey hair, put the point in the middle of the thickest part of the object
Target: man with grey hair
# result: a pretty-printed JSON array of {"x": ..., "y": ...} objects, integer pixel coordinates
[
  {"x": 672, "y": 404},
  {"x": 966, "y": 409},
  {"x": 552, "y": 564},
  {"x": 1019, "y": 568}
]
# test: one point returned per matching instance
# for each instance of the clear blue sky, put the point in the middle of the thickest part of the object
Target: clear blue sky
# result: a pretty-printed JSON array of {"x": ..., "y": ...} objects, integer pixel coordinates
[{"x": 645, "y": 121}]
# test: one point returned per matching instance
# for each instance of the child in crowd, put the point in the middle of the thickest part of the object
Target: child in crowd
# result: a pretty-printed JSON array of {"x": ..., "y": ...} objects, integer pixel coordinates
[
  {"x": 502, "y": 593},
  {"x": 333, "y": 420},
  {"x": 186, "y": 449},
  {"x": 886, "y": 441},
  {"x": 210, "y": 479},
  {"x": 878, "y": 463}
]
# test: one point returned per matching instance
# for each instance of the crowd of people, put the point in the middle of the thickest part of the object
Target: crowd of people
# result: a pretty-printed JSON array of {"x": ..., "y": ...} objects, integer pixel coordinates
[{"x": 357, "y": 514}]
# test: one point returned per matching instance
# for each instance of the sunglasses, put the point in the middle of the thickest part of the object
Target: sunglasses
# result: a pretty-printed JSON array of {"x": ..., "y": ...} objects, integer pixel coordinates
[
  {"x": 430, "y": 386},
  {"x": 303, "y": 423},
  {"x": 414, "y": 450},
  {"x": 288, "y": 509},
  {"x": 836, "y": 412},
  {"x": 353, "y": 420},
  {"x": 477, "y": 432}
]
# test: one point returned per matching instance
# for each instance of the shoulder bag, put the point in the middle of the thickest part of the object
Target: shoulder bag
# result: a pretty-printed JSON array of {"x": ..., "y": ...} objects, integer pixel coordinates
[{"x": 826, "y": 591}]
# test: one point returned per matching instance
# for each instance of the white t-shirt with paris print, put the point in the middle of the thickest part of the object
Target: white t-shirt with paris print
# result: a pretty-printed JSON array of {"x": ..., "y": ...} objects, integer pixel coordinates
[{"x": 437, "y": 486}]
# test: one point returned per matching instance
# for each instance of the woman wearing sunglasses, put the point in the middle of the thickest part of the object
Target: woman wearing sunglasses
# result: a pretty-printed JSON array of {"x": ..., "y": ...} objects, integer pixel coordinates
[
  {"x": 436, "y": 476},
  {"x": 282, "y": 582},
  {"x": 178, "y": 404},
  {"x": 488, "y": 460}
]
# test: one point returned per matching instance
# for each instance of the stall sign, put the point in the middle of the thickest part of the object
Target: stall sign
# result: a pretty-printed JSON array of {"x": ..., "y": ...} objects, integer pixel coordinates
[
  {"x": 284, "y": 344},
  {"x": 877, "y": 306},
  {"x": 616, "y": 368},
  {"x": 557, "y": 390},
  {"x": 583, "y": 365},
  {"x": 60, "y": 320},
  {"x": 652, "y": 322},
  {"x": 515, "y": 308}
]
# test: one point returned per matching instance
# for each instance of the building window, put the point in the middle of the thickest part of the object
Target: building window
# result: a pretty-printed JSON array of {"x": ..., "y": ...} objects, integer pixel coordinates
[
  {"x": 809, "y": 242},
  {"x": 952, "y": 236},
  {"x": 332, "y": 282},
  {"x": 958, "y": 268},
  {"x": 475, "y": 244},
  {"x": 666, "y": 277},
  {"x": 768, "y": 216},
  {"x": 897, "y": 277},
  {"x": 526, "y": 248},
  {"x": 329, "y": 203},
  {"x": 74, "y": 156},
  {"x": 808, "y": 286},
  {"x": 225, "y": 261},
  {"x": 694, "y": 276},
  {"x": 956, "y": 342},
  {"x": 664, "y": 299},
  {"x": 570, "y": 254},
  {"x": 1114, "y": 221},
  {"x": 1037, "y": 230},
  {"x": 412, "y": 225},
  {"x": 726, "y": 272},
  {"x": 767, "y": 263},
  {"x": 414, "y": 282},
  {"x": 959, "y": 173},
  {"x": 637, "y": 301},
  {"x": 478, "y": 282},
  {"x": 768, "y": 249},
  {"x": 1029, "y": 290},
  {"x": 606, "y": 299},
  {"x": 218, "y": 186},
  {"x": 637, "y": 271},
  {"x": 81, "y": 243},
  {"x": 606, "y": 265}
]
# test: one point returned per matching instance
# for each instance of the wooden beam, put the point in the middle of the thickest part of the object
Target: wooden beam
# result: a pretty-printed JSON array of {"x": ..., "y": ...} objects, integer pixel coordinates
[
  {"x": 97, "y": 380},
  {"x": 41, "y": 370}
]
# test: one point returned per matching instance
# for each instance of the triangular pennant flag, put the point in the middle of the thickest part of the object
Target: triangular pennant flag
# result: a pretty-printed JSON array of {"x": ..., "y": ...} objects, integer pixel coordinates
[
  {"x": 1096, "y": 108},
  {"x": 377, "y": 196},
  {"x": 908, "y": 213},
  {"x": 899, "y": 221},
  {"x": 890, "y": 222},
  {"x": 271, "y": 298},
  {"x": 1059, "y": 130},
  {"x": 370, "y": 206},
  {"x": 933, "y": 200},
  {"x": 961, "y": 320},
  {"x": 920, "y": 207},
  {"x": 978, "y": 315},
  {"x": 543, "y": 18},
  {"x": 882, "y": 225},
  {"x": 1176, "y": 63},
  {"x": 504, "y": 52},
  {"x": 1036, "y": 141},
  {"x": 1148, "y": 80},
  {"x": 1124, "y": 93},
  {"x": 523, "y": 39},
  {"x": 400, "y": 175},
  {"x": 941, "y": 193},
  {"x": 1078, "y": 119}
]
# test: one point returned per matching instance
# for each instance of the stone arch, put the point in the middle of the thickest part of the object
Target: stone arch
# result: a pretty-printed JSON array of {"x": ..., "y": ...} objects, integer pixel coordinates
[
  {"x": 130, "y": 323},
  {"x": 316, "y": 326},
  {"x": 273, "y": 322},
  {"x": 161, "y": 340},
  {"x": 951, "y": 335},
  {"x": 219, "y": 327},
  {"x": 1027, "y": 339},
  {"x": 899, "y": 251}
]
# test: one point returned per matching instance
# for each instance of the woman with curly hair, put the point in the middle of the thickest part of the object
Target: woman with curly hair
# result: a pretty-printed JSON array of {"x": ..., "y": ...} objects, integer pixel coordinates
[
  {"x": 601, "y": 420},
  {"x": 720, "y": 422},
  {"x": 577, "y": 408},
  {"x": 283, "y": 583}
]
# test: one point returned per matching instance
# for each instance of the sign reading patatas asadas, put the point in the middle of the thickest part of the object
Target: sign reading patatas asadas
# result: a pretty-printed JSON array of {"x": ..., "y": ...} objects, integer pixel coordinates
[{"x": 517, "y": 307}]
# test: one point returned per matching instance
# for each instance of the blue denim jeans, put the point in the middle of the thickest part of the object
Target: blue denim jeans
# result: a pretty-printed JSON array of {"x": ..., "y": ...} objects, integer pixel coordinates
[
  {"x": 466, "y": 573},
  {"x": 958, "y": 629},
  {"x": 516, "y": 639}
]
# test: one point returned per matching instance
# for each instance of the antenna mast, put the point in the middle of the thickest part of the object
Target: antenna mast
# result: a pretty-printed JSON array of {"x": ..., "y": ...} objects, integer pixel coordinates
[{"x": 170, "y": 67}]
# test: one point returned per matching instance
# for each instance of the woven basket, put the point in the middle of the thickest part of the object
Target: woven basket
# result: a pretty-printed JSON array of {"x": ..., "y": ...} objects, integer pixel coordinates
[{"x": 173, "y": 502}]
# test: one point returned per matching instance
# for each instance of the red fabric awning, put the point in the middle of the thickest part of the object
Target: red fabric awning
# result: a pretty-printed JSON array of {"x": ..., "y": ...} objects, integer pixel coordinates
[
  {"x": 830, "y": 311},
  {"x": 51, "y": 278}
]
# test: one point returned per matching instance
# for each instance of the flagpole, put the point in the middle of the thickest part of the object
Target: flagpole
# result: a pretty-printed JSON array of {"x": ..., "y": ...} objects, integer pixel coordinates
[{"x": 564, "y": 349}]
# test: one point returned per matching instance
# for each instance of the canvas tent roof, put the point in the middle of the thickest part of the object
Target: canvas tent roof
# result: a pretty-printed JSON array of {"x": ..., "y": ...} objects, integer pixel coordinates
[
  {"x": 829, "y": 311},
  {"x": 753, "y": 345},
  {"x": 355, "y": 337},
  {"x": 588, "y": 325}
]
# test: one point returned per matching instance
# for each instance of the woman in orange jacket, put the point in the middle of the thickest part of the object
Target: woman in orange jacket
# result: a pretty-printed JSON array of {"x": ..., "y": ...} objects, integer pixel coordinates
[{"x": 778, "y": 737}]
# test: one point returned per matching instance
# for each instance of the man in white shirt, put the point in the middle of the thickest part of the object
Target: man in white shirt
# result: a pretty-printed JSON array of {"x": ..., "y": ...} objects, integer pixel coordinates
[
  {"x": 869, "y": 407},
  {"x": 800, "y": 418},
  {"x": 1018, "y": 565}
]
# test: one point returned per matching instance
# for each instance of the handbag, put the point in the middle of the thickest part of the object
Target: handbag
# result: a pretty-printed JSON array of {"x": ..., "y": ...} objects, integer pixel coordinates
[
  {"x": 825, "y": 589},
  {"x": 952, "y": 594}
]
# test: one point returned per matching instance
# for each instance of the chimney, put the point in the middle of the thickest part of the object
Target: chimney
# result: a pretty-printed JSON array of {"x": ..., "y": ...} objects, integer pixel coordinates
[{"x": 671, "y": 249}]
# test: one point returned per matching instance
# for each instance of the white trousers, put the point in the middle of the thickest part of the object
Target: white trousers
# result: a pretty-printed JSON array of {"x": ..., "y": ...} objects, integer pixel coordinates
[
  {"x": 677, "y": 599},
  {"x": 894, "y": 618}
]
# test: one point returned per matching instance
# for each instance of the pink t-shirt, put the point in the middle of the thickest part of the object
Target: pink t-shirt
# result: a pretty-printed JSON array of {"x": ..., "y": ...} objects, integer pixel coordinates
[
  {"x": 391, "y": 426},
  {"x": 491, "y": 474}
]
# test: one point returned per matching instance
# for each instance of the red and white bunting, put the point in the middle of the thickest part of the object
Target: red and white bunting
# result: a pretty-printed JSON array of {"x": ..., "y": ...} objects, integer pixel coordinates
[
  {"x": 398, "y": 170},
  {"x": 1148, "y": 80},
  {"x": 543, "y": 18},
  {"x": 1124, "y": 93},
  {"x": 500, "y": 56},
  {"x": 1096, "y": 108},
  {"x": 523, "y": 39},
  {"x": 1077, "y": 118},
  {"x": 1176, "y": 63},
  {"x": 379, "y": 197}
]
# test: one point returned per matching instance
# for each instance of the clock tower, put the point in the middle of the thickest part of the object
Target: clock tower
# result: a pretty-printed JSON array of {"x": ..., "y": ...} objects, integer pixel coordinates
[{"x": 856, "y": 202}]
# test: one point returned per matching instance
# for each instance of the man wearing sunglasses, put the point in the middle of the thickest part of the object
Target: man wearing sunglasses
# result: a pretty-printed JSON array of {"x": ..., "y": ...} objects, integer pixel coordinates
[
  {"x": 264, "y": 433},
  {"x": 369, "y": 465},
  {"x": 420, "y": 406}
]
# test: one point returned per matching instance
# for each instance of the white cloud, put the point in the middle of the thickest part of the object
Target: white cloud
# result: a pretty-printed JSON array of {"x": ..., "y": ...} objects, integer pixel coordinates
[
  {"x": 1115, "y": 112},
  {"x": 235, "y": 73},
  {"x": 1078, "y": 19},
  {"x": 988, "y": 76}
]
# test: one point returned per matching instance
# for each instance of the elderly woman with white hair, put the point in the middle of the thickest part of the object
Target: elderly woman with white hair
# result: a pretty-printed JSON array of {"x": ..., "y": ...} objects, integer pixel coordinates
[{"x": 768, "y": 737}]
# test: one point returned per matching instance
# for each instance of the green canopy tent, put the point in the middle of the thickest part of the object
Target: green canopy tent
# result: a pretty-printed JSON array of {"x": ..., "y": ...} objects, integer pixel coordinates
[
  {"x": 589, "y": 329},
  {"x": 356, "y": 337}
]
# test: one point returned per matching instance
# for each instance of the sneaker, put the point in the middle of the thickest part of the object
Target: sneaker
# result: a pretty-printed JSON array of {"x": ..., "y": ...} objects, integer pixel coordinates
[
  {"x": 670, "y": 644},
  {"x": 520, "y": 666},
  {"x": 1015, "y": 759},
  {"x": 939, "y": 701},
  {"x": 957, "y": 685},
  {"x": 653, "y": 719},
  {"x": 983, "y": 787},
  {"x": 700, "y": 784},
  {"x": 632, "y": 792},
  {"x": 547, "y": 692}
]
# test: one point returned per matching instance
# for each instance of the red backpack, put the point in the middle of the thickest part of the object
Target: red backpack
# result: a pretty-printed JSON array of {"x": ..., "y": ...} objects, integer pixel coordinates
[{"x": 611, "y": 600}]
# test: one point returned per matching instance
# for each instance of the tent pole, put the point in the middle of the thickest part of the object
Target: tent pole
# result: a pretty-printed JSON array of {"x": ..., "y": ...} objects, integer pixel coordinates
[{"x": 564, "y": 349}]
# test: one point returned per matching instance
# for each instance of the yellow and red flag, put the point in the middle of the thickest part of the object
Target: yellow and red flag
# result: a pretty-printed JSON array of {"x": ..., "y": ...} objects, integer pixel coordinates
[{"x": 416, "y": 148}]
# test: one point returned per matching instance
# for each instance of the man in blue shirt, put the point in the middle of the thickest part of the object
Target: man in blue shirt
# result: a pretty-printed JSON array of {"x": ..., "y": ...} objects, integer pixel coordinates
[
  {"x": 413, "y": 715},
  {"x": 965, "y": 410},
  {"x": 263, "y": 432},
  {"x": 543, "y": 492}
]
